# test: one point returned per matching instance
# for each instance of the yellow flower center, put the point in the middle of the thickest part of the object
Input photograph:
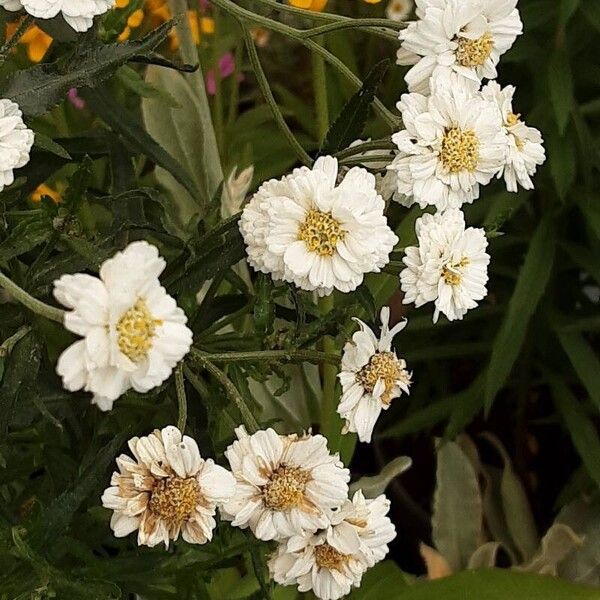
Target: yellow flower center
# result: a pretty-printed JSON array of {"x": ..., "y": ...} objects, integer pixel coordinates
[
  {"x": 328, "y": 557},
  {"x": 136, "y": 329},
  {"x": 385, "y": 366},
  {"x": 512, "y": 119},
  {"x": 285, "y": 489},
  {"x": 174, "y": 499},
  {"x": 460, "y": 150},
  {"x": 451, "y": 273},
  {"x": 320, "y": 232},
  {"x": 473, "y": 53}
]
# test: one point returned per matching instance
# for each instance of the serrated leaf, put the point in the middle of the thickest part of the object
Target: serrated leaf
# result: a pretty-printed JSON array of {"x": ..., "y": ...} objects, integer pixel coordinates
[
  {"x": 457, "y": 508},
  {"x": 349, "y": 125},
  {"x": 25, "y": 236},
  {"x": 38, "y": 89},
  {"x": 122, "y": 122},
  {"x": 532, "y": 281}
]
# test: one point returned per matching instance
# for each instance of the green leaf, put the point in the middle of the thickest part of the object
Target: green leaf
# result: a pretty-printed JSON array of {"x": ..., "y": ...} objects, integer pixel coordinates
[
  {"x": 375, "y": 485},
  {"x": 517, "y": 511},
  {"x": 26, "y": 235},
  {"x": 385, "y": 581},
  {"x": 49, "y": 145},
  {"x": 124, "y": 123},
  {"x": 560, "y": 80},
  {"x": 584, "y": 361},
  {"x": 186, "y": 133},
  {"x": 563, "y": 165},
  {"x": 498, "y": 584},
  {"x": 457, "y": 508},
  {"x": 349, "y": 125},
  {"x": 38, "y": 89},
  {"x": 581, "y": 428},
  {"x": 532, "y": 281}
]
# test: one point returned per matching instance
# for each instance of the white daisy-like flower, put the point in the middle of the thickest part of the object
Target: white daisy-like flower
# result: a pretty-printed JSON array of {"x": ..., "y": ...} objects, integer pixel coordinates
[
  {"x": 166, "y": 489},
  {"x": 448, "y": 267},
  {"x": 79, "y": 14},
  {"x": 462, "y": 36},
  {"x": 134, "y": 332},
  {"x": 385, "y": 181},
  {"x": 371, "y": 376},
  {"x": 524, "y": 147},
  {"x": 333, "y": 560},
  {"x": 286, "y": 484},
  {"x": 321, "y": 236},
  {"x": 398, "y": 10},
  {"x": 15, "y": 141},
  {"x": 452, "y": 143}
]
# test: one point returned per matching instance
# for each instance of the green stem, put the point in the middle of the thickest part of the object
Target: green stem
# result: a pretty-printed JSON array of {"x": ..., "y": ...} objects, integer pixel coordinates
[
  {"x": 329, "y": 378},
  {"x": 248, "y": 418},
  {"x": 373, "y": 158},
  {"x": 270, "y": 99},
  {"x": 352, "y": 24},
  {"x": 13, "y": 41},
  {"x": 13, "y": 340},
  {"x": 33, "y": 304},
  {"x": 320, "y": 93},
  {"x": 313, "y": 356},
  {"x": 383, "y": 144},
  {"x": 181, "y": 398},
  {"x": 242, "y": 14}
]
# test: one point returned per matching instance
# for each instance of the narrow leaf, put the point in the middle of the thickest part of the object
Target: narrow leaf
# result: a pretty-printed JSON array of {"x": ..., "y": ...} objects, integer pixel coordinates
[{"x": 532, "y": 281}]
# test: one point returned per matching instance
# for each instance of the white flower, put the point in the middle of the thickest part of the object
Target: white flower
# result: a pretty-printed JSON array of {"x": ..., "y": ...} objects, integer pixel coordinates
[
  {"x": 134, "y": 332},
  {"x": 452, "y": 144},
  {"x": 371, "y": 376},
  {"x": 286, "y": 484},
  {"x": 307, "y": 230},
  {"x": 167, "y": 490},
  {"x": 448, "y": 267},
  {"x": 398, "y": 10},
  {"x": 79, "y": 14},
  {"x": 464, "y": 36},
  {"x": 385, "y": 181},
  {"x": 15, "y": 141},
  {"x": 524, "y": 147},
  {"x": 332, "y": 561}
]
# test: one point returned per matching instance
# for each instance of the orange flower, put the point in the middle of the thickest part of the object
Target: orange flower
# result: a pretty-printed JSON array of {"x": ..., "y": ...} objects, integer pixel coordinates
[
  {"x": 44, "y": 190},
  {"x": 315, "y": 5}
]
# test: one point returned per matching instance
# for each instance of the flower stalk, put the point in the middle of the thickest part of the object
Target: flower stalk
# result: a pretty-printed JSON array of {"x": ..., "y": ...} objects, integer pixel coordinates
[{"x": 33, "y": 304}]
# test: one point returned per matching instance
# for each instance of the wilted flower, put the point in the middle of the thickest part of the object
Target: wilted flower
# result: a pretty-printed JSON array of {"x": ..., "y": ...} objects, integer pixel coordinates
[
  {"x": 524, "y": 145},
  {"x": 462, "y": 36},
  {"x": 79, "y": 15},
  {"x": 134, "y": 332},
  {"x": 333, "y": 560},
  {"x": 167, "y": 489},
  {"x": 286, "y": 484},
  {"x": 308, "y": 230},
  {"x": 398, "y": 10},
  {"x": 448, "y": 267},
  {"x": 371, "y": 376},
  {"x": 15, "y": 141}
]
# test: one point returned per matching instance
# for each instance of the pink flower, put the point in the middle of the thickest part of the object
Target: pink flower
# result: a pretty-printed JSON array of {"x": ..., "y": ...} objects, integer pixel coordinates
[
  {"x": 226, "y": 68},
  {"x": 75, "y": 100}
]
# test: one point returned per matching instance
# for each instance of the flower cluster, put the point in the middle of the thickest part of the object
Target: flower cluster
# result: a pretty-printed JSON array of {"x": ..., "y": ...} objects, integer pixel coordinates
[
  {"x": 286, "y": 488},
  {"x": 458, "y": 136}
]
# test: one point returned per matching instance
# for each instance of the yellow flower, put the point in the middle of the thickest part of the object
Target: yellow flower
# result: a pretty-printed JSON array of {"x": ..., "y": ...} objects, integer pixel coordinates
[
  {"x": 44, "y": 190},
  {"x": 36, "y": 41},
  {"x": 315, "y": 5}
]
